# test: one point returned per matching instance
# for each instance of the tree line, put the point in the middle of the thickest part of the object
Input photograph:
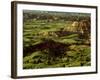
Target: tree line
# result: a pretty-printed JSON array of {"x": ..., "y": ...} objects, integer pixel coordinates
[{"x": 55, "y": 17}]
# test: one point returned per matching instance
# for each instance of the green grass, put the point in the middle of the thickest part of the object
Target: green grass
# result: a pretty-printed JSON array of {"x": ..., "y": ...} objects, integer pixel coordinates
[{"x": 73, "y": 57}]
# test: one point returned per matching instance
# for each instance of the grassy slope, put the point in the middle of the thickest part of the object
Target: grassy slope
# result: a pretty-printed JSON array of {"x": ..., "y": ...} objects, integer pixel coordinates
[{"x": 78, "y": 55}]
